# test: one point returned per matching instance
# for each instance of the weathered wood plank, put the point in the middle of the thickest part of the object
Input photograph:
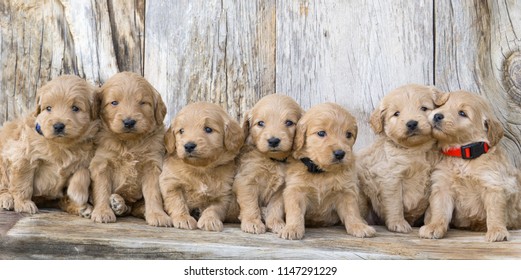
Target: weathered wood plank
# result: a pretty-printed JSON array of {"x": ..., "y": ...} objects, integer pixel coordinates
[
  {"x": 478, "y": 49},
  {"x": 218, "y": 51},
  {"x": 40, "y": 40},
  {"x": 56, "y": 235},
  {"x": 353, "y": 52}
]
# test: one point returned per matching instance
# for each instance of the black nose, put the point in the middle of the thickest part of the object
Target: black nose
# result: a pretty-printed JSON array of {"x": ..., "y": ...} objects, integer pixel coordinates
[
  {"x": 438, "y": 117},
  {"x": 339, "y": 154},
  {"x": 129, "y": 123},
  {"x": 58, "y": 128},
  {"x": 273, "y": 142},
  {"x": 412, "y": 125},
  {"x": 190, "y": 147}
]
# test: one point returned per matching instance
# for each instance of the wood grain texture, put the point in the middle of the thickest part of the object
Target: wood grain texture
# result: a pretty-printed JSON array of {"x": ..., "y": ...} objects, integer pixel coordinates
[
  {"x": 40, "y": 40},
  {"x": 352, "y": 52},
  {"x": 478, "y": 50},
  {"x": 57, "y": 235},
  {"x": 217, "y": 51}
]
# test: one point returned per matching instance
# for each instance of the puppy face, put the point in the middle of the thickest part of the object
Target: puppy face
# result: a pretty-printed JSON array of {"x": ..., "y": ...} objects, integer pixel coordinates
[
  {"x": 326, "y": 134},
  {"x": 403, "y": 114},
  {"x": 65, "y": 108},
  {"x": 131, "y": 107},
  {"x": 270, "y": 125},
  {"x": 465, "y": 118},
  {"x": 202, "y": 132}
]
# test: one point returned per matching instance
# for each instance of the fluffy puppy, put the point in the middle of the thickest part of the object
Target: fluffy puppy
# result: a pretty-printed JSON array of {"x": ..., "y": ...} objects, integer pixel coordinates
[
  {"x": 395, "y": 170},
  {"x": 269, "y": 128},
  {"x": 474, "y": 186},
  {"x": 321, "y": 183},
  {"x": 125, "y": 169},
  {"x": 45, "y": 156},
  {"x": 202, "y": 143}
]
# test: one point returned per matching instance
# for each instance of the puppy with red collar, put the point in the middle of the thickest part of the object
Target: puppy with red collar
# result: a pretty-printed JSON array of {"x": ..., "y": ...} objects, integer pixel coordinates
[{"x": 474, "y": 186}]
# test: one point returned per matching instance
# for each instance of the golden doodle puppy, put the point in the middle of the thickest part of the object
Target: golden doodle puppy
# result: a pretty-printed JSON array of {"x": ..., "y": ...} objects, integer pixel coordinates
[
  {"x": 46, "y": 155},
  {"x": 202, "y": 143},
  {"x": 269, "y": 129},
  {"x": 128, "y": 161},
  {"x": 321, "y": 183},
  {"x": 474, "y": 186},
  {"x": 395, "y": 170}
]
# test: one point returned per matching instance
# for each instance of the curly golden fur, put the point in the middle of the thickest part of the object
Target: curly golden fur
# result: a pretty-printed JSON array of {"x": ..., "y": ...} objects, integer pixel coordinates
[
  {"x": 202, "y": 143},
  {"x": 269, "y": 128},
  {"x": 477, "y": 194},
  {"x": 325, "y": 135},
  {"x": 395, "y": 170},
  {"x": 45, "y": 156},
  {"x": 128, "y": 161}
]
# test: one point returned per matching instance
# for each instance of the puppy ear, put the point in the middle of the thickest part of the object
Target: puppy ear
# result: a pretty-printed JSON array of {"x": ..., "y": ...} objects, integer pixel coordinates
[
  {"x": 377, "y": 120},
  {"x": 233, "y": 135},
  {"x": 494, "y": 131},
  {"x": 95, "y": 103},
  {"x": 439, "y": 97},
  {"x": 38, "y": 108},
  {"x": 170, "y": 140},
  {"x": 300, "y": 138},
  {"x": 160, "y": 108},
  {"x": 355, "y": 132},
  {"x": 246, "y": 125}
]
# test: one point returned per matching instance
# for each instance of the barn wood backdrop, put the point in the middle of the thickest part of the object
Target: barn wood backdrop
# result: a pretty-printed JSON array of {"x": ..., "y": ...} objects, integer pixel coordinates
[{"x": 234, "y": 52}]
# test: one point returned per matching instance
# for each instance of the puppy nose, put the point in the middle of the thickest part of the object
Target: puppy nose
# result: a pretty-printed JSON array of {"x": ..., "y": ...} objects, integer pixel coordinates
[
  {"x": 412, "y": 125},
  {"x": 58, "y": 128},
  {"x": 273, "y": 142},
  {"x": 438, "y": 117},
  {"x": 339, "y": 154},
  {"x": 129, "y": 123},
  {"x": 190, "y": 147}
]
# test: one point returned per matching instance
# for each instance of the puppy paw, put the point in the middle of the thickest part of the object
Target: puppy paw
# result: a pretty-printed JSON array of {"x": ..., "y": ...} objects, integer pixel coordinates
[
  {"x": 360, "y": 230},
  {"x": 86, "y": 211},
  {"x": 184, "y": 222},
  {"x": 399, "y": 226},
  {"x": 253, "y": 226},
  {"x": 6, "y": 201},
  {"x": 117, "y": 203},
  {"x": 495, "y": 234},
  {"x": 25, "y": 206},
  {"x": 158, "y": 219},
  {"x": 292, "y": 232},
  {"x": 275, "y": 226},
  {"x": 432, "y": 231},
  {"x": 103, "y": 215},
  {"x": 210, "y": 223}
]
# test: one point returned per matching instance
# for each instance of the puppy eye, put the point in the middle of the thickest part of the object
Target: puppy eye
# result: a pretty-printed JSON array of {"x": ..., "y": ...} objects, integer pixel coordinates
[
  {"x": 208, "y": 130},
  {"x": 463, "y": 114},
  {"x": 423, "y": 108},
  {"x": 48, "y": 108},
  {"x": 289, "y": 123},
  {"x": 396, "y": 114},
  {"x": 114, "y": 103},
  {"x": 75, "y": 109},
  {"x": 349, "y": 134},
  {"x": 260, "y": 123},
  {"x": 321, "y": 133},
  {"x": 181, "y": 131}
]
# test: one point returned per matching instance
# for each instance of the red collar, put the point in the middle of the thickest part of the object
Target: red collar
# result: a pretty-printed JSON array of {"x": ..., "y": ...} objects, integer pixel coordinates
[{"x": 470, "y": 151}]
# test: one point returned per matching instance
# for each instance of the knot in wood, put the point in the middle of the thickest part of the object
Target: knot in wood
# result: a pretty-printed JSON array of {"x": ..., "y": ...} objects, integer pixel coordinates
[{"x": 512, "y": 76}]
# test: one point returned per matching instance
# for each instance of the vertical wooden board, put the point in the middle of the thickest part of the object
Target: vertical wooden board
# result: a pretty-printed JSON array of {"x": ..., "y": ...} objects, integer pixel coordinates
[
  {"x": 40, "y": 40},
  {"x": 216, "y": 51},
  {"x": 352, "y": 52},
  {"x": 478, "y": 50}
]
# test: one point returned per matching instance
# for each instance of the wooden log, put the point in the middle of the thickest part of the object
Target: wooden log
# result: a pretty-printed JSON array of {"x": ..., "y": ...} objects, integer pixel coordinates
[
  {"x": 477, "y": 49},
  {"x": 217, "y": 51},
  {"x": 353, "y": 52},
  {"x": 57, "y": 235}
]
